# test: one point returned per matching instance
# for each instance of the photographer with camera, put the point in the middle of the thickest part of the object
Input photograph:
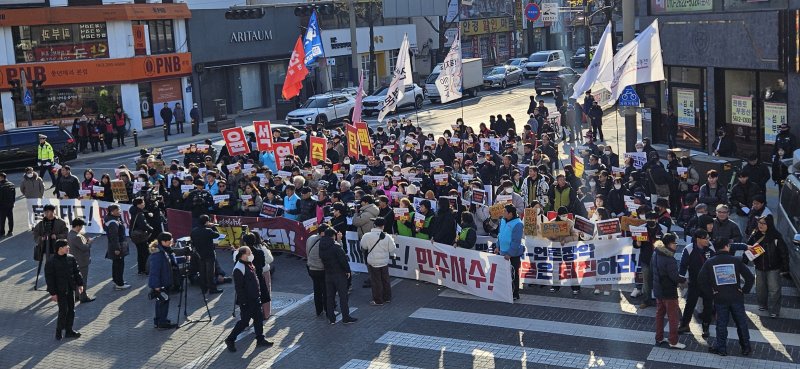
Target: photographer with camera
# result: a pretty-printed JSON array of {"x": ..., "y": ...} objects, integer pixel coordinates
[
  {"x": 203, "y": 240},
  {"x": 248, "y": 297},
  {"x": 45, "y": 233},
  {"x": 162, "y": 262}
]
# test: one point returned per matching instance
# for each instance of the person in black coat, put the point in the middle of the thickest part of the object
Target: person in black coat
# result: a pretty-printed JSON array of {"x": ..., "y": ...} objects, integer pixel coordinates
[
  {"x": 248, "y": 297},
  {"x": 386, "y": 212},
  {"x": 724, "y": 145},
  {"x": 67, "y": 185},
  {"x": 444, "y": 224},
  {"x": 162, "y": 262},
  {"x": 63, "y": 281},
  {"x": 203, "y": 238},
  {"x": 139, "y": 224},
  {"x": 337, "y": 271},
  {"x": 166, "y": 116}
]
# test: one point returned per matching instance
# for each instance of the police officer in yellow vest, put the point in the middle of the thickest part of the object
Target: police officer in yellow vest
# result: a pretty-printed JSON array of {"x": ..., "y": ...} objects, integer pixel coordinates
[{"x": 45, "y": 158}]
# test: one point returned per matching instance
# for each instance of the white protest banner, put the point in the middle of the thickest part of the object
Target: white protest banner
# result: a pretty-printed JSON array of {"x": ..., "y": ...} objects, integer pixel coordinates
[
  {"x": 449, "y": 83},
  {"x": 478, "y": 273},
  {"x": 579, "y": 263},
  {"x": 91, "y": 211},
  {"x": 401, "y": 77},
  {"x": 602, "y": 56},
  {"x": 639, "y": 158}
]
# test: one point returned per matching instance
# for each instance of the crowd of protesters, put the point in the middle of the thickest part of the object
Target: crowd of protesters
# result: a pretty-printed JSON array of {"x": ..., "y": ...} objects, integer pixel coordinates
[{"x": 524, "y": 162}]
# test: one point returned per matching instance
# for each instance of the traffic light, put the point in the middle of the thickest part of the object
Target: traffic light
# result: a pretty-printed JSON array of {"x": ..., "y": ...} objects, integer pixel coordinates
[
  {"x": 239, "y": 14},
  {"x": 39, "y": 93},
  {"x": 16, "y": 91},
  {"x": 306, "y": 10}
]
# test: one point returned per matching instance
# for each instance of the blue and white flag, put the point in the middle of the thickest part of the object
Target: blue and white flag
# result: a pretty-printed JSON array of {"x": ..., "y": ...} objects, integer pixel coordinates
[{"x": 312, "y": 42}]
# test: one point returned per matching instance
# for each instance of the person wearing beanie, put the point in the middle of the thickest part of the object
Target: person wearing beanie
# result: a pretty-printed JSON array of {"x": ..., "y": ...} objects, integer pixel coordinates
[
  {"x": 162, "y": 261},
  {"x": 694, "y": 256},
  {"x": 248, "y": 297},
  {"x": 63, "y": 281},
  {"x": 665, "y": 282}
]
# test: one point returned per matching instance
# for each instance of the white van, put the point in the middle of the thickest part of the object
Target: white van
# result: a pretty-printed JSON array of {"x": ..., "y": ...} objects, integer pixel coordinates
[{"x": 543, "y": 59}]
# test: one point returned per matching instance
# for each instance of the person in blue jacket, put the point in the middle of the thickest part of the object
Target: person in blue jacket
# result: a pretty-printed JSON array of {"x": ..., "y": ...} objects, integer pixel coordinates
[
  {"x": 267, "y": 159},
  {"x": 509, "y": 244},
  {"x": 162, "y": 260},
  {"x": 290, "y": 203}
]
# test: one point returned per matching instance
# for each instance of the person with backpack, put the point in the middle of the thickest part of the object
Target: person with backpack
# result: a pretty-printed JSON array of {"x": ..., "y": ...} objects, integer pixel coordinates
[
  {"x": 379, "y": 247},
  {"x": 509, "y": 244}
]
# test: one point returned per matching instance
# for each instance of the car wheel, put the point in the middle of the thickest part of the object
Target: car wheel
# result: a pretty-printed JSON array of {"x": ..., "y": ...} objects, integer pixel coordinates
[
  {"x": 418, "y": 102},
  {"x": 503, "y": 84},
  {"x": 322, "y": 119},
  {"x": 539, "y": 92}
]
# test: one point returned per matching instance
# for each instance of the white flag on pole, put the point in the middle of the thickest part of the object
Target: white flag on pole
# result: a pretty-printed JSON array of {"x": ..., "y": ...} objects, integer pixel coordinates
[
  {"x": 449, "y": 82},
  {"x": 637, "y": 62},
  {"x": 400, "y": 78},
  {"x": 603, "y": 55}
]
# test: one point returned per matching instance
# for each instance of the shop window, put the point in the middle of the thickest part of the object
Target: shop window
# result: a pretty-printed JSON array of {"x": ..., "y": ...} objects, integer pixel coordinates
[
  {"x": 740, "y": 93},
  {"x": 59, "y": 42},
  {"x": 162, "y": 35},
  {"x": 63, "y": 105},
  {"x": 146, "y": 104},
  {"x": 686, "y": 96}
]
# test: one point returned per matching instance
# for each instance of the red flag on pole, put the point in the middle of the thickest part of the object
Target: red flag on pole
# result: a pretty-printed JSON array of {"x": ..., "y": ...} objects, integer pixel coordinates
[
  {"x": 319, "y": 150},
  {"x": 296, "y": 73},
  {"x": 359, "y": 97}
]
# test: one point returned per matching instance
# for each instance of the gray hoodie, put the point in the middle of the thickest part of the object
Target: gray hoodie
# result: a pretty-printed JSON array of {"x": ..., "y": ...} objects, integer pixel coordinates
[{"x": 32, "y": 188}]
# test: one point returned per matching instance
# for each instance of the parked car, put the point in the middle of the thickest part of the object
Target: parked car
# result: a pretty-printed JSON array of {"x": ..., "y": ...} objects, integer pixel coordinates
[
  {"x": 579, "y": 59},
  {"x": 517, "y": 62},
  {"x": 550, "y": 77},
  {"x": 19, "y": 147},
  {"x": 413, "y": 96},
  {"x": 503, "y": 76},
  {"x": 287, "y": 132},
  {"x": 352, "y": 91},
  {"x": 325, "y": 109},
  {"x": 543, "y": 59}
]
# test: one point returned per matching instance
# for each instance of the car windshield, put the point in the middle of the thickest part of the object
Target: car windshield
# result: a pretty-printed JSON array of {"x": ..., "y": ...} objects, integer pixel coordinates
[
  {"x": 580, "y": 51},
  {"x": 381, "y": 92},
  {"x": 316, "y": 103},
  {"x": 432, "y": 78},
  {"x": 513, "y": 62},
  {"x": 496, "y": 71},
  {"x": 548, "y": 74},
  {"x": 538, "y": 58}
]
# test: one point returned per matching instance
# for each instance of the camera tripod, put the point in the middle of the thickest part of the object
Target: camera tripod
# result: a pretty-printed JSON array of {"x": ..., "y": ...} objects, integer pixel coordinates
[{"x": 183, "y": 296}]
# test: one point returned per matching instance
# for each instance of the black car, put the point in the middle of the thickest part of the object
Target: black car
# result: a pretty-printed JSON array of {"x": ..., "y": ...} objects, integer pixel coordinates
[
  {"x": 579, "y": 59},
  {"x": 549, "y": 78},
  {"x": 19, "y": 146}
]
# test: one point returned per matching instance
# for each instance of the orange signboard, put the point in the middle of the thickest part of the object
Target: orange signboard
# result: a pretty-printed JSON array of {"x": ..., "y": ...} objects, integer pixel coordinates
[
  {"x": 139, "y": 40},
  {"x": 111, "y": 12},
  {"x": 99, "y": 71}
]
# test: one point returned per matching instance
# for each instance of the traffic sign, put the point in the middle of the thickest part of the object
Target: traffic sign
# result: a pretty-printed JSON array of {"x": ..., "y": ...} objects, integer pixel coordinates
[
  {"x": 629, "y": 97},
  {"x": 549, "y": 12},
  {"x": 27, "y": 100},
  {"x": 532, "y": 12}
]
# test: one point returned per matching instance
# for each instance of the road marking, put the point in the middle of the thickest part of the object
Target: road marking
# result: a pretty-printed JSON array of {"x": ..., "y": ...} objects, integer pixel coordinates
[
  {"x": 623, "y": 307},
  {"x": 210, "y": 355},
  {"x": 708, "y": 360},
  {"x": 487, "y": 350},
  {"x": 589, "y": 331},
  {"x": 271, "y": 361},
  {"x": 373, "y": 364}
]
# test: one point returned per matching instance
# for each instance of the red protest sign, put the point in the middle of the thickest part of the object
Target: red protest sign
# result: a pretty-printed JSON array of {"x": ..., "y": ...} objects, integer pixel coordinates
[
  {"x": 363, "y": 138},
  {"x": 353, "y": 146},
  {"x": 282, "y": 150},
  {"x": 263, "y": 135},
  {"x": 236, "y": 141},
  {"x": 319, "y": 148}
]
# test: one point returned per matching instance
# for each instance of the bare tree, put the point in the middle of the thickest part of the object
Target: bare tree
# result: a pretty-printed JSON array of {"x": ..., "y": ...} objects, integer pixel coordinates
[{"x": 441, "y": 31}]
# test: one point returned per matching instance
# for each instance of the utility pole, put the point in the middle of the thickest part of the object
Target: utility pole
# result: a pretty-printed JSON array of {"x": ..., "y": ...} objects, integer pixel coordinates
[
  {"x": 587, "y": 33},
  {"x": 529, "y": 32},
  {"x": 628, "y": 31},
  {"x": 353, "y": 44}
]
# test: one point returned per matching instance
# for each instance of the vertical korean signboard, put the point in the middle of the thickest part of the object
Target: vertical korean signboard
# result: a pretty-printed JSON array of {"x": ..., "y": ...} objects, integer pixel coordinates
[
  {"x": 742, "y": 110},
  {"x": 774, "y": 116},
  {"x": 685, "y": 110}
]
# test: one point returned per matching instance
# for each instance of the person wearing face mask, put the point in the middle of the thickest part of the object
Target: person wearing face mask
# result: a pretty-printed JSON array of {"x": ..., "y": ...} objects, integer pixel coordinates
[
  {"x": 724, "y": 145},
  {"x": 162, "y": 261},
  {"x": 248, "y": 297},
  {"x": 780, "y": 170},
  {"x": 694, "y": 256},
  {"x": 32, "y": 186},
  {"x": 609, "y": 158},
  {"x": 516, "y": 200},
  {"x": 615, "y": 201},
  {"x": 785, "y": 141},
  {"x": 654, "y": 233}
]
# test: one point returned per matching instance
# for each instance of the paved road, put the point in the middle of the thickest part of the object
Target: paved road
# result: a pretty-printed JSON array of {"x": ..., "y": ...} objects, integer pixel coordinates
[{"x": 425, "y": 326}]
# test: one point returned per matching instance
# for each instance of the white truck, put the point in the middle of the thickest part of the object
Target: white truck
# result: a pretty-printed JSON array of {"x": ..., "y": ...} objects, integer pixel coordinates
[{"x": 472, "y": 79}]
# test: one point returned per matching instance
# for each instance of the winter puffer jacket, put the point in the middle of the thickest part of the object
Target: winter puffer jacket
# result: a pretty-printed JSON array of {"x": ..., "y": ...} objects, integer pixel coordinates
[
  {"x": 665, "y": 272},
  {"x": 379, "y": 249}
]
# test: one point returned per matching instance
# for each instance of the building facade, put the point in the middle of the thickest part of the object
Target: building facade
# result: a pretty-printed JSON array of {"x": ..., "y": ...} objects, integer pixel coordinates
[
  {"x": 89, "y": 60},
  {"x": 729, "y": 65}
]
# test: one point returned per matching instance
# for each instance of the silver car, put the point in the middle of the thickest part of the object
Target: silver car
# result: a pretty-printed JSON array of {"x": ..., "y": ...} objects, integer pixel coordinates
[{"x": 503, "y": 76}]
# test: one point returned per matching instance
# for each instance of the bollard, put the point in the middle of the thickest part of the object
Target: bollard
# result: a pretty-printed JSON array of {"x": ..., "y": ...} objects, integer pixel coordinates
[
  {"x": 194, "y": 128},
  {"x": 166, "y": 133},
  {"x": 135, "y": 138},
  {"x": 102, "y": 143}
]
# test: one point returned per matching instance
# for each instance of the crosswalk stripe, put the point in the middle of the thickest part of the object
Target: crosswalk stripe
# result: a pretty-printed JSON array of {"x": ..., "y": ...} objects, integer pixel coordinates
[
  {"x": 507, "y": 352},
  {"x": 663, "y": 355},
  {"x": 373, "y": 364},
  {"x": 589, "y": 331},
  {"x": 623, "y": 307}
]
